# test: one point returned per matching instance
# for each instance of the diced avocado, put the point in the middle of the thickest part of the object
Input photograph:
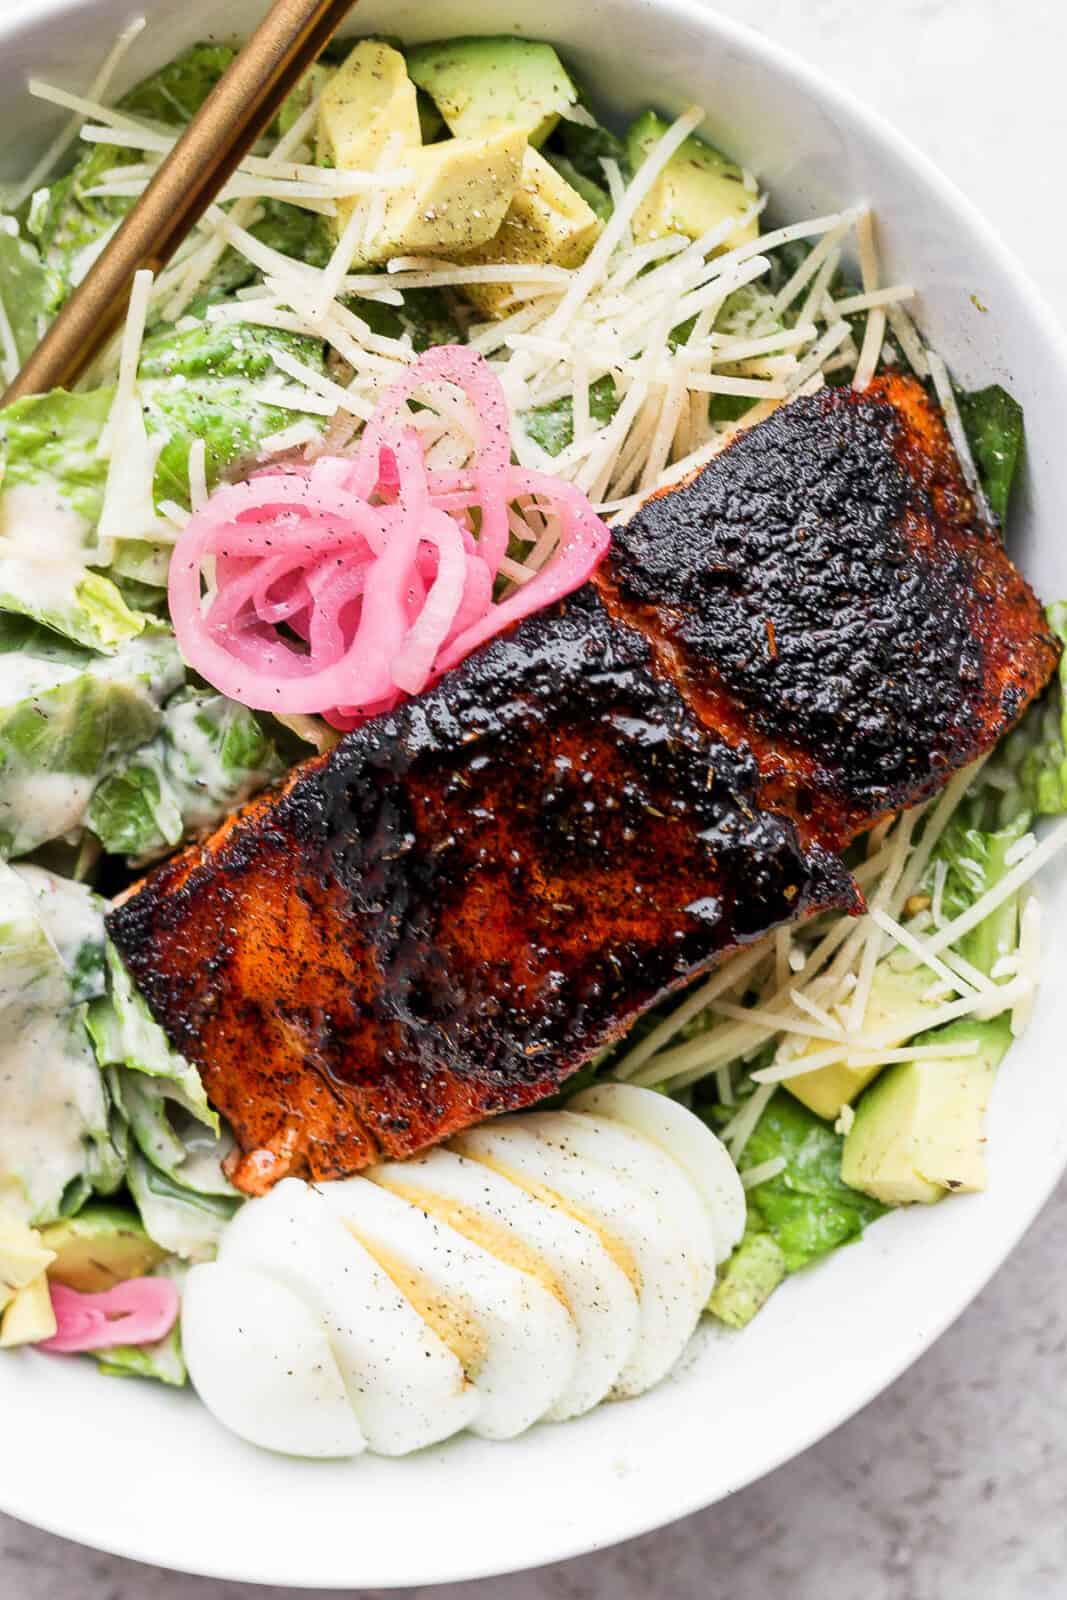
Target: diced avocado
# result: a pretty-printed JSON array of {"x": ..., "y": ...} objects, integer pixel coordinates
[
  {"x": 919, "y": 1132},
  {"x": 547, "y": 223},
  {"x": 23, "y": 1256},
  {"x": 369, "y": 102},
  {"x": 455, "y": 199},
  {"x": 480, "y": 85},
  {"x": 100, "y": 1247},
  {"x": 697, "y": 189},
  {"x": 896, "y": 999},
  {"x": 29, "y": 1317},
  {"x": 748, "y": 1280}
]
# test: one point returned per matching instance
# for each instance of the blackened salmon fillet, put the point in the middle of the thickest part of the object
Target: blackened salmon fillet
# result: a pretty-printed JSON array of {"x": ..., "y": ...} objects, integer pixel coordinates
[
  {"x": 827, "y": 597},
  {"x": 468, "y": 898},
  {"x": 465, "y": 900}
]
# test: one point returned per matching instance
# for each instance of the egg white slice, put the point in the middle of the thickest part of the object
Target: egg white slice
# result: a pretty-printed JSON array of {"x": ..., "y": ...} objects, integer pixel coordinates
[
  {"x": 518, "y": 1343},
  {"x": 687, "y": 1140},
  {"x": 515, "y": 1227},
  {"x": 622, "y": 1205},
  {"x": 604, "y": 1144},
  {"x": 261, "y": 1363},
  {"x": 406, "y": 1386}
]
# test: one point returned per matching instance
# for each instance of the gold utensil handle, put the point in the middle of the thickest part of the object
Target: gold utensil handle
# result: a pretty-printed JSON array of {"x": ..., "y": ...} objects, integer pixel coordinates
[{"x": 238, "y": 110}]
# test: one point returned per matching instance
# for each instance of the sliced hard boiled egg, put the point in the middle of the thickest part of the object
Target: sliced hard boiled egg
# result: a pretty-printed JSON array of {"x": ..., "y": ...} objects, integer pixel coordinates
[
  {"x": 514, "y": 1336},
  {"x": 622, "y": 1208},
  {"x": 688, "y": 1141},
  {"x": 406, "y": 1386},
  {"x": 603, "y": 1144},
  {"x": 261, "y": 1363},
  {"x": 567, "y": 1256}
]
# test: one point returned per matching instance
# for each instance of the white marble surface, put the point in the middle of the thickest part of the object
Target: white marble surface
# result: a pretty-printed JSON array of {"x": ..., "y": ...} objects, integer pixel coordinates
[{"x": 952, "y": 1483}]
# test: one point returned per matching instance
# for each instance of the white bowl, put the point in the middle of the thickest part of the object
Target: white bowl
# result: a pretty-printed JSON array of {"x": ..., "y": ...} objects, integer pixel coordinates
[{"x": 131, "y": 1468}]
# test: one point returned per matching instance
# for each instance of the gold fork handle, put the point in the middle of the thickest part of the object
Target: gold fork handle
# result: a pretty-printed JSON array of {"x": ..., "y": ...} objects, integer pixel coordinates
[{"x": 238, "y": 110}]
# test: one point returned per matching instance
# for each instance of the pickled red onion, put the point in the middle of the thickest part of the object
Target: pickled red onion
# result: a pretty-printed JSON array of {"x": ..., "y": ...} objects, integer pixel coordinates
[
  {"x": 139, "y": 1311},
  {"x": 370, "y": 563}
]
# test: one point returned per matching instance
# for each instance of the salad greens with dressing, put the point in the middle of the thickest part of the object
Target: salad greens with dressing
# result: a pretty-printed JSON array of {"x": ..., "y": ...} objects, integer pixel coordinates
[{"x": 112, "y": 753}]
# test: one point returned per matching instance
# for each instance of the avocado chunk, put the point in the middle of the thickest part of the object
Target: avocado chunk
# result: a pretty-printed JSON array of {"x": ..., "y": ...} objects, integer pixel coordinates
[
  {"x": 23, "y": 1256},
  {"x": 748, "y": 1280},
  {"x": 368, "y": 104},
  {"x": 481, "y": 85},
  {"x": 919, "y": 1132},
  {"x": 697, "y": 189},
  {"x": 896, "y": 999},
  {"x": 29, "y": 1317},
  {"x": 455, "y": 199},
  {"x": 547, "y": 223},
  {"x": 99, "y": 1248}
]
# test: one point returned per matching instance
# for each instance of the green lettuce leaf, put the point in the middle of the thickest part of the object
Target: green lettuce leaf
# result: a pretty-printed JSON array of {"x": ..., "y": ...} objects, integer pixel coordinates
[
  {"x": 73, "y": 918},
  {"x": 64, "y": 722},
  {"x": 126, "y": 1034},
  {"x": 973, "y": 861},
  {"x": 55, "y": 1144},
  {"x": 993, "y": 422},
  {"x": 180, "y": 1220},
  {"x": 162, "y": 1361},
  {"x": 807, "y": 1209},
  {"x": 1028, "y": 771},
  {"x": 205, "y": 382},
  {"x": 585, "y": 148},
  {"x": 72, "y": 224},
  {"x": 27, "y": 289},
  {"x": 210, "y": 755},
  {"x": 749, "y": 1277},
  {"x": 49, "y": 441},
  {"x": 177, "y": 1144},
  {"x": 552, "y": 426}
]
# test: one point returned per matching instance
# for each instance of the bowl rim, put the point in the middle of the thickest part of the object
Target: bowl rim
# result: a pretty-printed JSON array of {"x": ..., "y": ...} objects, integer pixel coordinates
[{"x": 812, "y": 81}]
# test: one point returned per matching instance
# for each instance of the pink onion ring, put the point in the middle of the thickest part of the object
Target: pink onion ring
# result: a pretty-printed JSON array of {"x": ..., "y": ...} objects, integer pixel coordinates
[{"x": 339, "y": 587}]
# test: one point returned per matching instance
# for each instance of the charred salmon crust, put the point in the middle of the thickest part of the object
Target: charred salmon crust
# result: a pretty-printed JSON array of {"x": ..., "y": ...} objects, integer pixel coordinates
[
  {"x": 826, "y": 596},
  {"x": 464, "y": 901}
]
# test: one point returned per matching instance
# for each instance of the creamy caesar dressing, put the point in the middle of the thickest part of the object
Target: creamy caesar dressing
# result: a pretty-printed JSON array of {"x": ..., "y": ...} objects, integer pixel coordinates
[
  {"x": 51, "y": 1094},
  {"x": 73, "y": 918},
  {"x": 36, "y": 521},
  {"x": 23, "y": 675},
  {"x": 55, "y": 801}
]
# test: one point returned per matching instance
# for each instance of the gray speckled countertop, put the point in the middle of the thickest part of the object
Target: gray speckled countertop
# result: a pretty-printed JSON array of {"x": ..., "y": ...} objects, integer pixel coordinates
[{"x": 952, "y": 1483}]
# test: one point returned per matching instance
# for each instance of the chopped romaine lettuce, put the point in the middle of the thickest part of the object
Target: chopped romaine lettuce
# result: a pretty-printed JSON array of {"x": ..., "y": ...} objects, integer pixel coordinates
[
  {"x": 210, "y": 755},
  {"x": 586, "y": 148},
  {"x": 175, "y": 1163},
  {"x": 62, "y": 725},
  {"x": 48, "y": 442},
  {"x": 81, "y": 605},
  {"x": 966, "y": 863},
  {"x": 184, "y": 1221},
  {"x": 552, "y": 426},
  {"x": 426, "y": 317},
  {"x": 993, "y": 422},
  {"x": 593, "y": 193},
  {"x": 211, "y": 382},
  {"x": 1028, "y": 771},
  {"x": 749, "y": 1277},
  {"x": 73, "y": 223},
  {"x": 806, "y": 1209},
  {"x": 127, "y": 1035},
  {"x": 162, "y": 1361},
  {"x": 73, "y": 918},
  {"x": 27, "y": 289},
  {"x": 55, "y": 1145}
]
